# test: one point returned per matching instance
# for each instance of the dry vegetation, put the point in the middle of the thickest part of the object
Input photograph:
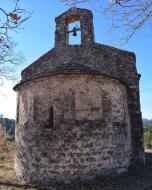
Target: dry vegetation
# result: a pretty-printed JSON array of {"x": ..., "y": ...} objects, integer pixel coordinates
[
  {"x": 7, "y": 175},
  {"x": 135, "y": 179}
]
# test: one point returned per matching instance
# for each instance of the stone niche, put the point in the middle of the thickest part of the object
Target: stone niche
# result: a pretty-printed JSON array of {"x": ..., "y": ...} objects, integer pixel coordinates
[{"x": 78, "y": 110}]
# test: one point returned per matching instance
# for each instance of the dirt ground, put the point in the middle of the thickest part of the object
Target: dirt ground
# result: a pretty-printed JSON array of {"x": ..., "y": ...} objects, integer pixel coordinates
[{"x": 135, "y": 179}]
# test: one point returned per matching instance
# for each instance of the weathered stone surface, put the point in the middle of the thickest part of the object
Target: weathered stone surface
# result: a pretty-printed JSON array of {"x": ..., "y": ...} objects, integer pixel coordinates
[
  {"x": 81, "y": 139},
  {"x": 78, "y": 110}
]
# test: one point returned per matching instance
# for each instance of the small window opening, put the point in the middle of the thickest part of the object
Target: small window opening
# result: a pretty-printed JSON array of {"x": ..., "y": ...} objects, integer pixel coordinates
[
  {"x": 51, "y": 117},
  {"x": 75, "y": 33}
]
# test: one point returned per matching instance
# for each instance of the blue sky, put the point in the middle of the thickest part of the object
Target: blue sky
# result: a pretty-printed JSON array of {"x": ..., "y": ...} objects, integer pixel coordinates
[{"x": 37, "y": 37}]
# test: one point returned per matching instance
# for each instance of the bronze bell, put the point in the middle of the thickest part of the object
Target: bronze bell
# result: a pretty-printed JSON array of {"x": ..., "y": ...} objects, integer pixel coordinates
[{"x": 74, "y": 31}]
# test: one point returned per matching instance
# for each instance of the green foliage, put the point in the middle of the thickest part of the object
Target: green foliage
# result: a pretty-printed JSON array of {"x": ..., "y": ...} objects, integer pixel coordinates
[{"x": 148, "y": 136}]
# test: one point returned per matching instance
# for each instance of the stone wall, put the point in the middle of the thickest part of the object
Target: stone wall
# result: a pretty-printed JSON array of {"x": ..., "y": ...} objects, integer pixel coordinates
[
  {"x": 72, "y": 126},
  {"x": 97, "y": 59}
]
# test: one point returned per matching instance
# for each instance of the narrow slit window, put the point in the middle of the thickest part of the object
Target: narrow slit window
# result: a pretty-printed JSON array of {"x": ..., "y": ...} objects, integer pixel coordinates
[
  {"x": 74, "y": 33},
  {"x": 51, "y": 117}
]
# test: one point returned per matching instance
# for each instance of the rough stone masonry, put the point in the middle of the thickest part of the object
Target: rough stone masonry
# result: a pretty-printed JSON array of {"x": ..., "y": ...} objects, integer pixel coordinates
[{"x": 78, "y": 109}]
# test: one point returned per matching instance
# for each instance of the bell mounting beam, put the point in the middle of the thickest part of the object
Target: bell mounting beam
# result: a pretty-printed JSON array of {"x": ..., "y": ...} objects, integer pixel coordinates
[{"x": 74, "y": 30}]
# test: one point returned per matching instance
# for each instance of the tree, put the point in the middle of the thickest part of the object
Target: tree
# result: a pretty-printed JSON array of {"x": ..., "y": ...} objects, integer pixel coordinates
[
  {"x": 10, "y": 21},
  {"x": 148, "y": 135},
  {"x": 1, "y": 118},
  {"x": 129, "y": 15}
]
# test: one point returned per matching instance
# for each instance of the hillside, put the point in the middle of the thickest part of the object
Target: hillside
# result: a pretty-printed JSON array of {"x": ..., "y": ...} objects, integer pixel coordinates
[
  {"x": 9, "y": 125},
  {"x": 147, "y": 121}
]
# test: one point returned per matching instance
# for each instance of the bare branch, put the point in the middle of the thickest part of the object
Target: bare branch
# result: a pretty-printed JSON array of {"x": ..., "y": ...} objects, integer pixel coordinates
[
  {"x": 72, "y": 2},
  {"x": 10, "y": 21},
  {"x": 128, "y": 15}
]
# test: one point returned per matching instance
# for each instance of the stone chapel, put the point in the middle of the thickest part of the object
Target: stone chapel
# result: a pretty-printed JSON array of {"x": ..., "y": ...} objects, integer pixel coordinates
[{"x": 78, "y": 109}]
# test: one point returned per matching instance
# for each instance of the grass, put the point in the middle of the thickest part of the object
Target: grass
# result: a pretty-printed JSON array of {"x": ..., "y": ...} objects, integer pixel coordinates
[{"x": 139, "y": 178}]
